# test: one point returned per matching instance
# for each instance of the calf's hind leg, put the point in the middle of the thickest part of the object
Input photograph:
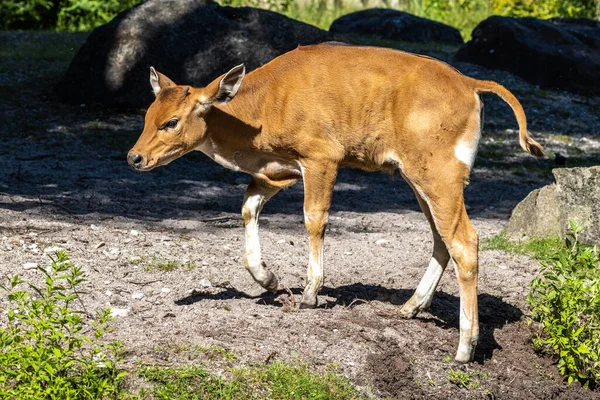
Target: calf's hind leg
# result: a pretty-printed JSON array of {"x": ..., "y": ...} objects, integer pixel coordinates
[
  {"x": 319, "y": 179},
  {"x": 444, "y": 196},
  {"x": 421, "y": 299},
  {"x": 255, "y": 197}
]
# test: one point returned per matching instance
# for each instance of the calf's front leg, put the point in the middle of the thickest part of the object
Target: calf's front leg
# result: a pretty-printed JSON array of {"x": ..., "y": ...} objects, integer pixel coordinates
[
  {"x": 255, "y": 197},
  {"x": 319, "y": 179}
]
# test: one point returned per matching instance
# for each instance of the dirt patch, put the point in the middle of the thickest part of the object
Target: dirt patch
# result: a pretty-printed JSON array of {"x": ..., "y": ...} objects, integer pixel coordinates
[
  {"x": 64, "y": 182},
  {"x": 392, "y": 374}
]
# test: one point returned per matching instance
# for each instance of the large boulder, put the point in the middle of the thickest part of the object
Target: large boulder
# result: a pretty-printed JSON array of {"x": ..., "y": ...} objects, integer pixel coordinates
[
  {"x": 557, "y": 54},
  {"x": 191, "y": 41},
  {"x": 546, "y": 212},
  {"x": 395, "y": 25}
]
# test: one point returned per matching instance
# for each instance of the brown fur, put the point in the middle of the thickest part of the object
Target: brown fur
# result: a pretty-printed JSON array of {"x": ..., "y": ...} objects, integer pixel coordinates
[{"x": 318, "y": 108}]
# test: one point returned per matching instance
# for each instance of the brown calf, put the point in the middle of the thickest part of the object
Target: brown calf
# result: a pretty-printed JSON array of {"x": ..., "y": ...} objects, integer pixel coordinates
[{"x": 318, "y": 108}]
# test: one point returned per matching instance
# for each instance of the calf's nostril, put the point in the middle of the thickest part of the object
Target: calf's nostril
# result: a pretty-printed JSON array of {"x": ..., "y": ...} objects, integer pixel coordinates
[{"x": 134, "y": 159}]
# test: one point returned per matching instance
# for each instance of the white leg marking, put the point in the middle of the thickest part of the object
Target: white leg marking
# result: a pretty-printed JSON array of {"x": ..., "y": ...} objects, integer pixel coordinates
[
  {"x": 315, "y": 269},
  {"x": 253, "y": 205},
  {"x": 467, "y": 341},
  {"x": 315, "y": 260},
  {"x": 428, "y": 284},
  {"x": 466, "y": 344},
  {"x": 465, "y": 322}
]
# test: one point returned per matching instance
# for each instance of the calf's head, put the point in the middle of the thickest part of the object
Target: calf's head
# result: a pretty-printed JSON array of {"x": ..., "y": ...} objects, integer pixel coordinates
[{"x": 175, "y": 123}]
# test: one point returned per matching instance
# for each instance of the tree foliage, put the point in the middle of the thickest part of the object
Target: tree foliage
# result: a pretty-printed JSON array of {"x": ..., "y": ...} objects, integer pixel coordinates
[
  {"x": 62, "y": 15},
  {"x": 546, "y": 8},
  {"x": 81, "y": 15}
]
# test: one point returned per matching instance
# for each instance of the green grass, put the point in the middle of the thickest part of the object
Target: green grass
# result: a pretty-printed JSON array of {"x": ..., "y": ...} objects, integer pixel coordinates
[
  {"x": 466, "y": 379},
  {"x": 277, "y": 380},
  {"x": 211, "y": 353},
  {"x": 540, "y": 249},
  {"x": 322, "y": 13},
  {"x": 157, "y": 264}
]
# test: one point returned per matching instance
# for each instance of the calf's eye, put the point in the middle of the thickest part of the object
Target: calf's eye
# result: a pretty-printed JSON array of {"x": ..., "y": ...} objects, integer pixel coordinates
[{"x": 171, "y": 124}]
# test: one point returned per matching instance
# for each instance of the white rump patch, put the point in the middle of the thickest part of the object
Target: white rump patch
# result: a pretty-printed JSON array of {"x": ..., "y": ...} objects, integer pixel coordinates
[
  {"x": 466, "y": 148},
  {"x": 466, "y": 151}
]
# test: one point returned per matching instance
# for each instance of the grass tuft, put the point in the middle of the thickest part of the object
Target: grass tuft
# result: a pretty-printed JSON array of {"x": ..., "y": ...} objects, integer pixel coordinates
[
  {"x": 277, "y": 380},
  {"x": 157, "y": 264},
  {"x": 539, "y": 249},
  {"x": 466, "y": 379}
]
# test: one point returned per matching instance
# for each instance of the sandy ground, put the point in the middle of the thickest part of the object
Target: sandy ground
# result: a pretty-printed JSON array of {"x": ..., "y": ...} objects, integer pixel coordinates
[{"x": 65, "y": 183}]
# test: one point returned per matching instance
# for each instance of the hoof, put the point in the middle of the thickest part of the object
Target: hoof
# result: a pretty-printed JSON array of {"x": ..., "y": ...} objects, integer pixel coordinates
[
  {"x": 408, "y": 312},
  {"x": 308, "y": 303},
  {"x": 410, "y": 309},
  {"x": 272, "y": 283},
  {"x": 466, "y": 353},
  {"x": 463, "y": 358}
]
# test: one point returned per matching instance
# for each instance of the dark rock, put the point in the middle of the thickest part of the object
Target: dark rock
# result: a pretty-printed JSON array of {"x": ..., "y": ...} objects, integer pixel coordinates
[
  {"x": 546, "y": 212},
  {"x": 395, "y": 25},
  {"x": 191, "y": 41},
  {"x": 557, "y": 54}
]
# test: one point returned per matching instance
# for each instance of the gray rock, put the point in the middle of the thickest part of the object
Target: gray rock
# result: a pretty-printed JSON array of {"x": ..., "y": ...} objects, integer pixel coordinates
[
  {"x": 119, "y": 312},
  {"x": 191, "y": 41},
  {"x": 557, "y": 54},
  {"x": 30, "y": 265},
  {"x": 395, "y": 25},
  {"x": 547, "y": 211}
]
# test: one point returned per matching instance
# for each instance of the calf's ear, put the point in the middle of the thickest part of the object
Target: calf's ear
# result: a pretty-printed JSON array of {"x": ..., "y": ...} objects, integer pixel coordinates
[
  {"x": 230, "y": 84},
  {"x": 159, "y": 81}
]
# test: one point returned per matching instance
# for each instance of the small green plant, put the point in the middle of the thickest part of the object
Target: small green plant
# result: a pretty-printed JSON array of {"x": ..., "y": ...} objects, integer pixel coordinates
[
  {"x": 464, "y": 379},
  {"x": 213, "y": 351},
  {"x": 565, "y": 299},
  {"x": 44, "y": 353},
  {"x": 156, "y": 264}
]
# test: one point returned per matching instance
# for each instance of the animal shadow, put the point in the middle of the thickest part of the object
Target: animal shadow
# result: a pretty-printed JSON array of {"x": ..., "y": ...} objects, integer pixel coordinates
[{"x": 494, "y": 313}]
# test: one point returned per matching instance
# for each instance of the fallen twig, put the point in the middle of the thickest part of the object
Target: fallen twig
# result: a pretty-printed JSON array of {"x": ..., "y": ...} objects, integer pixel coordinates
[
  {"x": 355, "y": 301},
  {"x": 56, "y": 205},
  {"x": 223, "y": 218},
  {"x": 144, "y": 283},
  {"x": 270, "y": 357},
  {"x": 288, "y": 302}
]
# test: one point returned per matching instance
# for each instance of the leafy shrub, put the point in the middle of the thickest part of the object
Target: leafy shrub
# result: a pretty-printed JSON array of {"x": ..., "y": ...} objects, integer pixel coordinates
[
  {"x": 85, "y": 15},
  {"x": 44, "y": 353},
  {"x": 546, "y": 8},
  {"x": 63, "y": 15},
  {"x": 33, "y": 14},
  {"x": 273, "y": 5},
  {"x": 565, "y": 299}
]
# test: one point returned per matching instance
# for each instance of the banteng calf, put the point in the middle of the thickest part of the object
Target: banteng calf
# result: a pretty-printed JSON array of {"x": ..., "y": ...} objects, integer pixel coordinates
[{"x": 318, "y": 108}]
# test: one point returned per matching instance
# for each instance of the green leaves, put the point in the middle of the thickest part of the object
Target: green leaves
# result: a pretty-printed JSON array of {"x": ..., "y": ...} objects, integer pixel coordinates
[
  {"x": 62, "y": 15},
  {"x": 42, "y": 353},
  {"x": 565, "y": 299}
]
